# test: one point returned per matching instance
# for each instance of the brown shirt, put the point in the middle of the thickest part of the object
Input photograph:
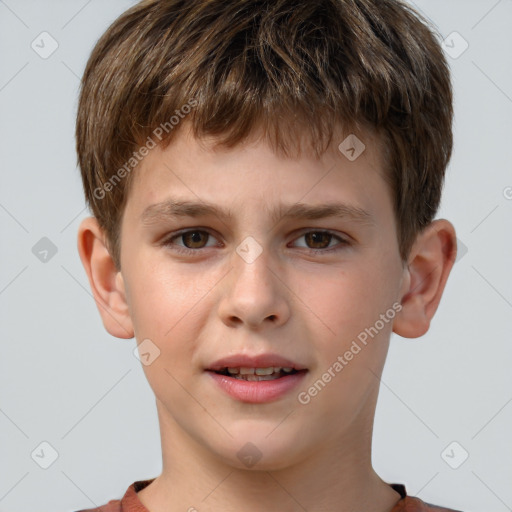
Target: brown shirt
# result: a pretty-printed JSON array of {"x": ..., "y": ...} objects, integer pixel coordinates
[{"x": 130, "y": 501}]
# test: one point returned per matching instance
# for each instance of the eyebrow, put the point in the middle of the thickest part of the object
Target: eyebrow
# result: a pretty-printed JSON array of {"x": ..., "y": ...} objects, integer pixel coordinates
[{"x": 171, "y": 209}]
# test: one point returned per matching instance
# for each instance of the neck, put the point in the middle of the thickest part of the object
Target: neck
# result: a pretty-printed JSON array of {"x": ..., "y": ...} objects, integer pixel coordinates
[{"x": 337, "y": 477}]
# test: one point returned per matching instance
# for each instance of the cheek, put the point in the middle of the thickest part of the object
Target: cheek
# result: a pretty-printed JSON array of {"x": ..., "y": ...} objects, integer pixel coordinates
[
  {"x": 162, "y": 310},
  {"x": 160, "y": 296},
  {"x": 344, "y": 301}
]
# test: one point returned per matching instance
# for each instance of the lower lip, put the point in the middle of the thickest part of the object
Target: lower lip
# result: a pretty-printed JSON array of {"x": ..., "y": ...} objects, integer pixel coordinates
[{"x": 257, "y": 392}]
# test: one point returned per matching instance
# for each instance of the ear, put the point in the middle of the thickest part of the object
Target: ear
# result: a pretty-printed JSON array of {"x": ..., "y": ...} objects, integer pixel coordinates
[
  {"x": 430, "y": 262},
  {"x": 107, "y": 284}
]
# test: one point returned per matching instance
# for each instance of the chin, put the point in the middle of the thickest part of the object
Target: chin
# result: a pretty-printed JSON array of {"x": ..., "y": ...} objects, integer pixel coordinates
[{"x": 260, "y": 451}]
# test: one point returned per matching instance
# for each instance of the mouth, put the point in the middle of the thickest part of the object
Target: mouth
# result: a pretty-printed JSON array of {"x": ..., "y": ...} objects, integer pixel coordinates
[{"x": 257, "y": 379}]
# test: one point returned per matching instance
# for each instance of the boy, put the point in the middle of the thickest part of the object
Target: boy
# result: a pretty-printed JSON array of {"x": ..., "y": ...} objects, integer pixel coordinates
[{"x": 302, "y": 146}]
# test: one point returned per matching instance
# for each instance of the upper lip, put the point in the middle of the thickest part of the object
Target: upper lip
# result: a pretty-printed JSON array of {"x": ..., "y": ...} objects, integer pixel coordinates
[{"x": 256, "y": 361}]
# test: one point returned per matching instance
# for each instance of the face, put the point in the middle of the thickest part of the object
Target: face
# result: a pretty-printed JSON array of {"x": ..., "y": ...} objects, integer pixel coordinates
[{"x": 254, "y": 275}]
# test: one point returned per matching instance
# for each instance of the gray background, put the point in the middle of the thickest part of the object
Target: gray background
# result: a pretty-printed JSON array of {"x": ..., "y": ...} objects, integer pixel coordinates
[{"x": 66, "y": 381}]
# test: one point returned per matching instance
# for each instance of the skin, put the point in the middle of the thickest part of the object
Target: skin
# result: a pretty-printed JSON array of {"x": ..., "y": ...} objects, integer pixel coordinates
[{"x": 306, "y": 306}]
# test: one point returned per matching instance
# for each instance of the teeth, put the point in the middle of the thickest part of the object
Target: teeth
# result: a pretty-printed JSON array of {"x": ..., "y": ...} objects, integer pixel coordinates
[
  {"x": 254, "y": 374},
  {"x": 252, "y": 378},
  {"x": 265, "y": 371},
  {"x": 257, "y": 377},
  {"x": 258, "y": 371}
]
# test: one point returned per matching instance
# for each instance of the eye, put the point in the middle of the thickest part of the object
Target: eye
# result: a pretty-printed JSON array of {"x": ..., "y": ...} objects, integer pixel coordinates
[
  {"x": 192, "y": 240},
  {"x": 320, "y": 241}
]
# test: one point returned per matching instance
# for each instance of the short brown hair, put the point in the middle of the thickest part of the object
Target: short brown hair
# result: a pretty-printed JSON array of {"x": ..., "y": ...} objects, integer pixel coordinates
[{"x": 293, "y": 69}]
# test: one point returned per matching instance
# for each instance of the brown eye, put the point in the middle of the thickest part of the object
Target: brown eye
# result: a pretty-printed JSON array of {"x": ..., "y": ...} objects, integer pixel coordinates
[
  {"x": 321, "y": 241},
  {"x": 194, "y": 239},
  {"x": 190, "y": 242},
  {"x": 318, "y": 239}
]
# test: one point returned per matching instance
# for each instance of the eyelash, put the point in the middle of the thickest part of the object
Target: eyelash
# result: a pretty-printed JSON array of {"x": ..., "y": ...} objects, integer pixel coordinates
[{"x": 185, "y": 250}]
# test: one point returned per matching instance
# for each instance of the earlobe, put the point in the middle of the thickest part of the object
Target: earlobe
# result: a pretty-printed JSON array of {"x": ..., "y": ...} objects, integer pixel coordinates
[
  {"x": 106, "y": 282},
  {"x": 431, "y": 260}
]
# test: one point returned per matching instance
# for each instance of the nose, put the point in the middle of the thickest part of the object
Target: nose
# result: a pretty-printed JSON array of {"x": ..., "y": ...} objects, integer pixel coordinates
[{"x": 254, "y": 294}]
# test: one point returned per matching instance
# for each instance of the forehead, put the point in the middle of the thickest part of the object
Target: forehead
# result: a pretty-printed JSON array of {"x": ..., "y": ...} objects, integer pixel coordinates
[{"x": 193, "y": 171}]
